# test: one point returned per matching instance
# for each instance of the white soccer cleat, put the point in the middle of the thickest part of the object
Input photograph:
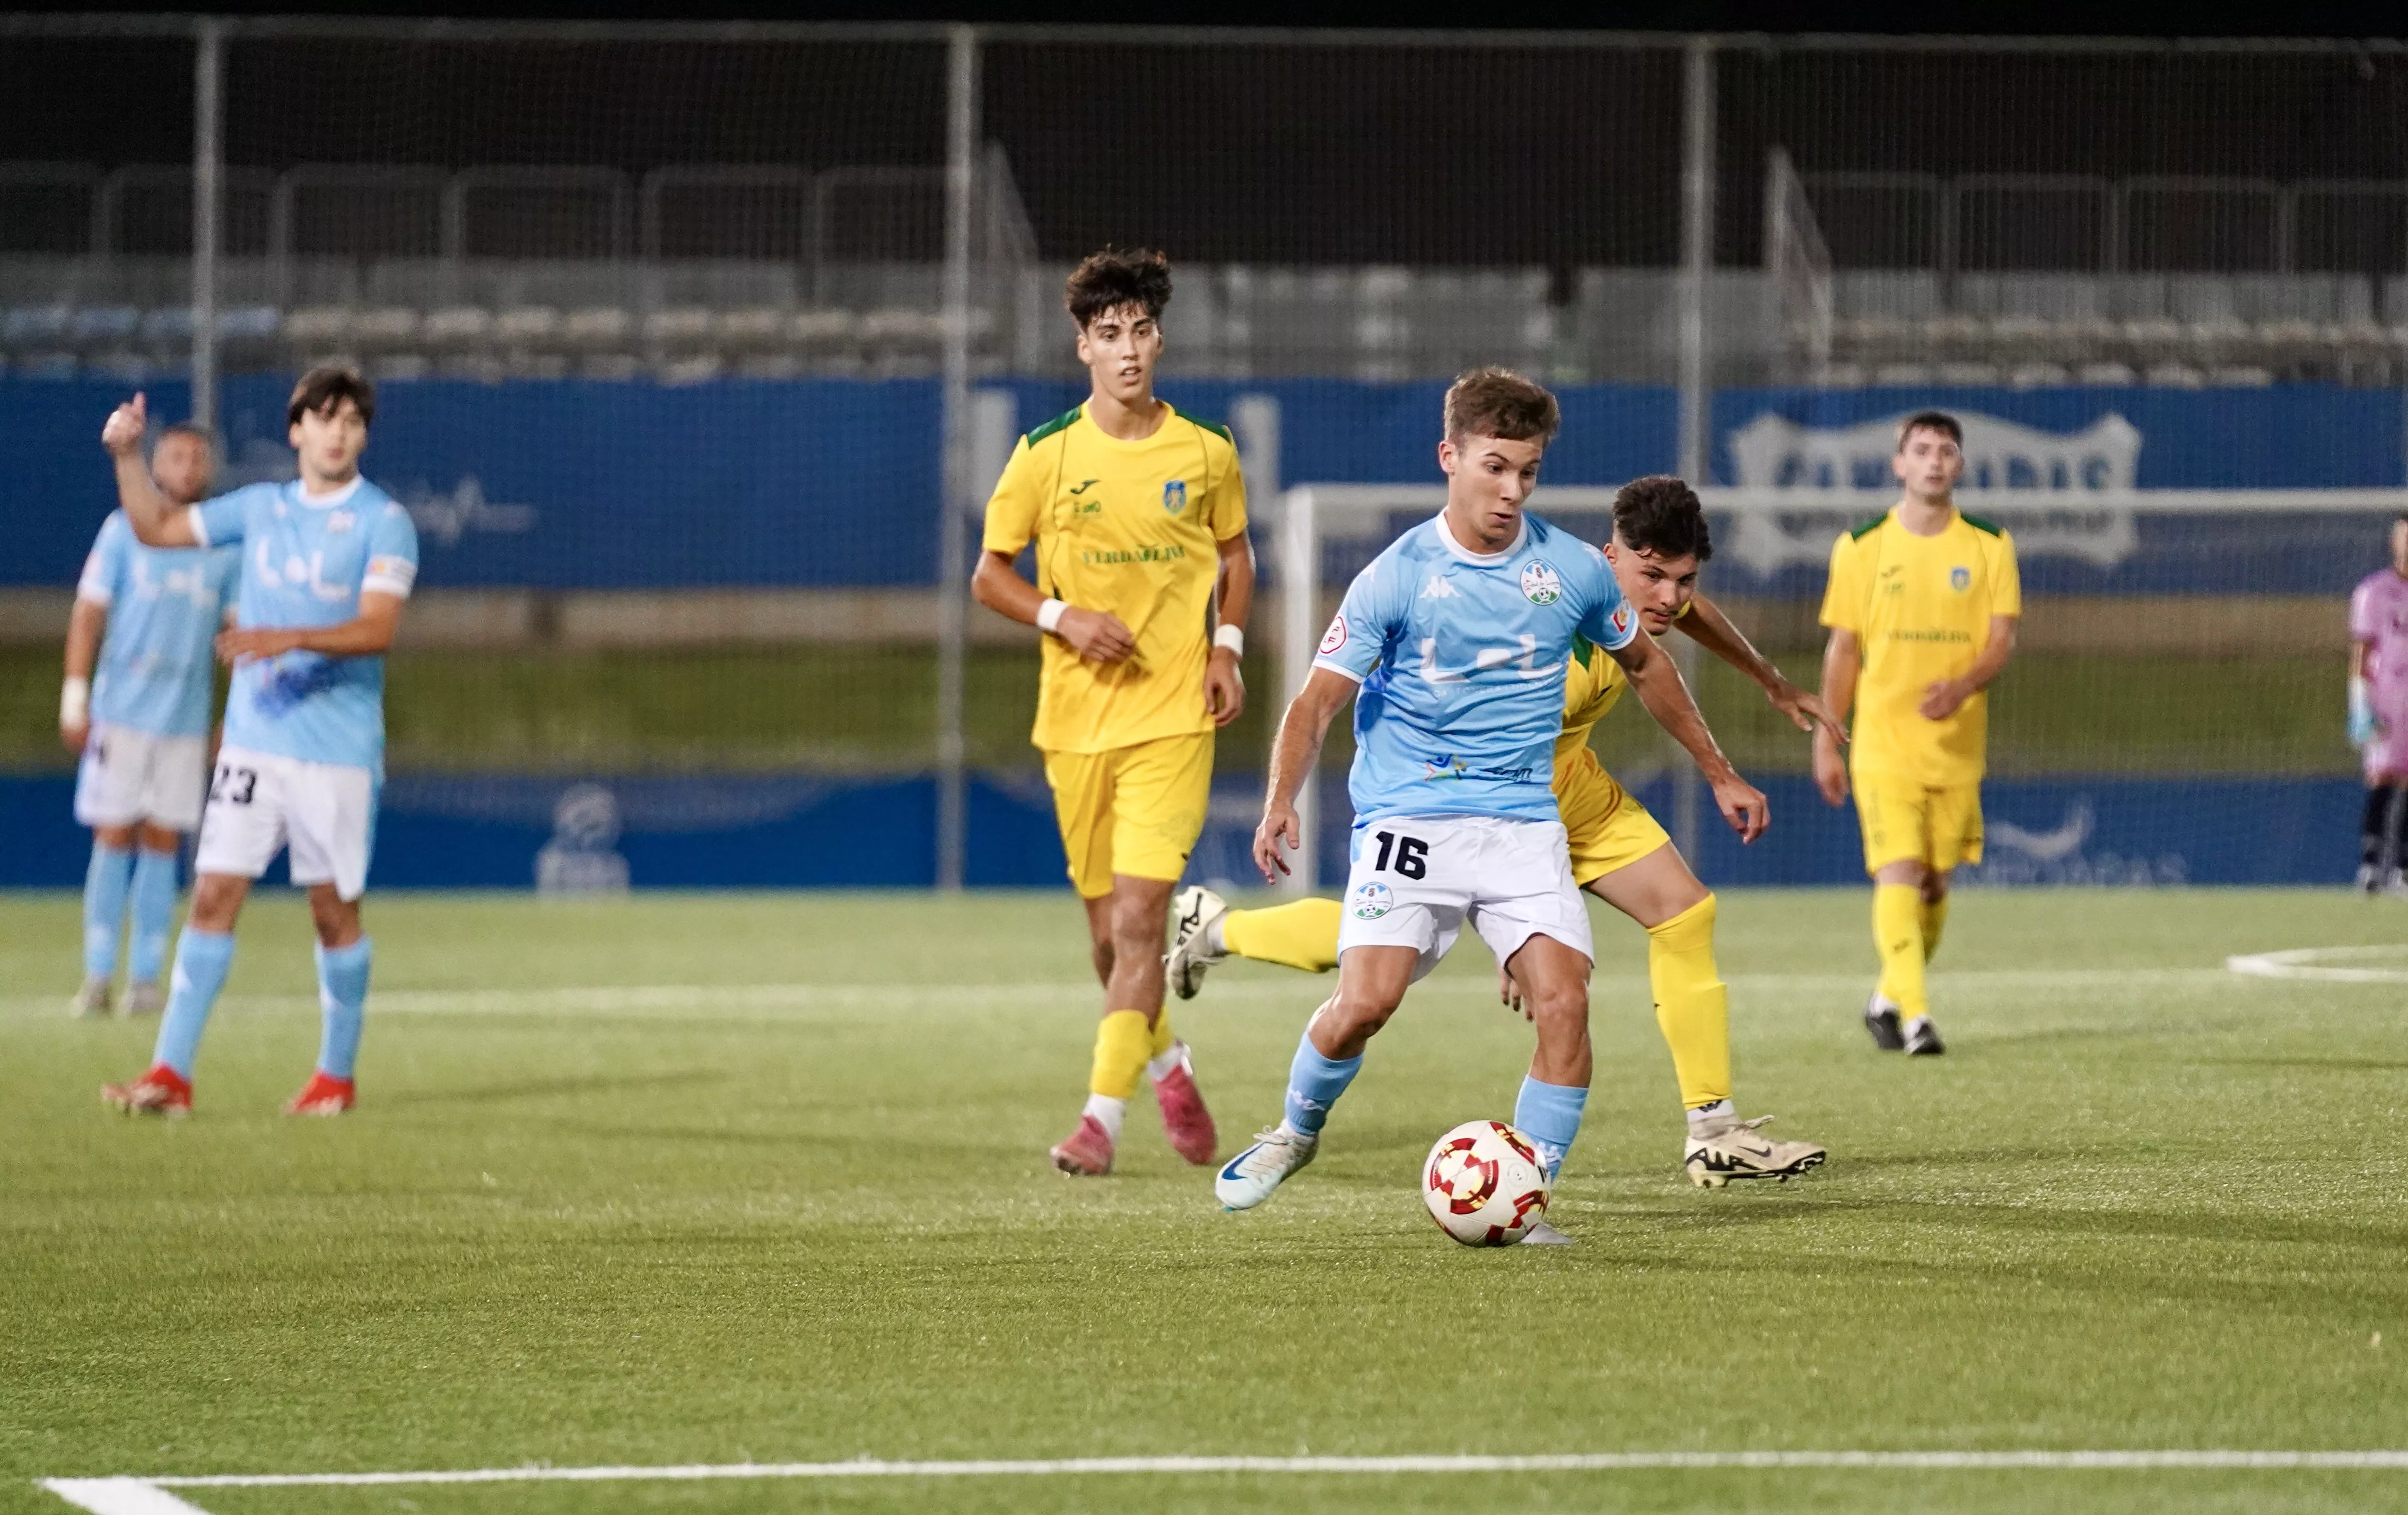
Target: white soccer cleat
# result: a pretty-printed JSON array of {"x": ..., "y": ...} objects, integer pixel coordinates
[
  {"x": 1542, "y": 1234},
  {"x": 1731, "y": 1148},
  {"x": 143, "y": 998},
  {"x": 90, "y": 1000},
  {"x": 1194, "y": 913},
  {"x": 1248, "y": 1179}
]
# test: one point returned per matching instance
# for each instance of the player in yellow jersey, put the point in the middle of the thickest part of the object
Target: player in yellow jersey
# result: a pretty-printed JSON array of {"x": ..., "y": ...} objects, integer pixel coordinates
[
  {"x": 1922, "y": 604},
  {"x": 1619, "y": 853},
  {"x": 1137, "y": 514}
]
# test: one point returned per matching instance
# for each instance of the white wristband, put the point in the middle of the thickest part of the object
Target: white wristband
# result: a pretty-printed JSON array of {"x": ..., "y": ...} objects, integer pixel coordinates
[
  {"x": 1049, "y": 615},
  {"x": 75, "y": 701},
  {"x": 1231, "y": 637}
]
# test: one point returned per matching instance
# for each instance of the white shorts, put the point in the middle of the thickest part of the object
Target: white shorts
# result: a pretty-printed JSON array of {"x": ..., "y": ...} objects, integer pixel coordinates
[
  {"x": 1416, "y": 878},
  {"x": 260, "y": 802},
  {"x": 128, "y": 777}
]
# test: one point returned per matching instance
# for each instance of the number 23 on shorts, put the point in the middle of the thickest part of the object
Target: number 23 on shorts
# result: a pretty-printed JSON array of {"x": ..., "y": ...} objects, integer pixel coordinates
[{"x": 234, "y": 786}]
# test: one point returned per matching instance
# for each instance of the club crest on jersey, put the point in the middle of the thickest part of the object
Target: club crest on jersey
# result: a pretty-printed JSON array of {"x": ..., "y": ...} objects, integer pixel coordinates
[
  {"x": 1960, "y": 579},
  {"x": 1335, "y": 637},
  {"x": 1541, "y": 584},
  {"x": 1174, "y": 496},
  {"x": 1372, "y": 899}
]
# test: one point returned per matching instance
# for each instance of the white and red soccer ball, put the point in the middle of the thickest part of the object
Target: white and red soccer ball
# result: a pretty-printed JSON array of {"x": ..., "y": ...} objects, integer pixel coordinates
[{"x": 1484, "y": 1184}]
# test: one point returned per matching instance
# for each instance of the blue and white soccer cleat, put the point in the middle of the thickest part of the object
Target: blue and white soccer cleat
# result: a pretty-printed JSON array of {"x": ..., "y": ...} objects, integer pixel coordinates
[{"x": 1247, "y": 1180}]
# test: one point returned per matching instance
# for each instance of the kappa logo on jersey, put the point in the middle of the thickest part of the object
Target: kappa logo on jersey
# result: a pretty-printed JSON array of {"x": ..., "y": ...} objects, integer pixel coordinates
[
  {"x": 1335, "y": 637},
  {"x": 1174, "y": 496},
  {"x": 1541, "y": 584},
  {"x": 1960, "y": 579},
  {"x": 1436, "y": 588},
  {"x": 1620, "y": 619},
  {"x": 1372, "y": 899}
]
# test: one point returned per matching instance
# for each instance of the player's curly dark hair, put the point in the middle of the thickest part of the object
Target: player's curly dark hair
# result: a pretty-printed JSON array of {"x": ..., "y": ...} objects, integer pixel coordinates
[
  {"x": 1118, "y": 277},
  {"x": 322, "y": 390},
  {"x": 1662, "y": 515},
  {"x": 1499, "y": 402}
]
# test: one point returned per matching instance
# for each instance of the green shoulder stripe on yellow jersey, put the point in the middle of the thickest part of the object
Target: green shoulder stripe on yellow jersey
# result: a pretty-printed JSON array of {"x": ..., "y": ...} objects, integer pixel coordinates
[
  {"x": 1582, "y": 648},
  {"x": 1857, "y": 535},
  {"x": 1054, "y": 426},
  {"x": 1220, "y": 431},
  {"x": 1980, "y": 525}
]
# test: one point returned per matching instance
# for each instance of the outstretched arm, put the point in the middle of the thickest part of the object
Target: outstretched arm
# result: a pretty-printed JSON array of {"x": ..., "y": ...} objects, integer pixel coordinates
[
  {"x": 1661, "y": 688},
  {"x": 364, "y": 635},
  {"x": 1708, "y": 628},
  {"x": 1294, "y": 752},
  {"x": 155, "y": 523}
]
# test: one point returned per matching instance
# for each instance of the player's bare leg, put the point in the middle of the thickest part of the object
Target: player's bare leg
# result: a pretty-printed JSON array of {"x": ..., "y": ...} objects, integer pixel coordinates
[{"x": 1124, "y": 932}]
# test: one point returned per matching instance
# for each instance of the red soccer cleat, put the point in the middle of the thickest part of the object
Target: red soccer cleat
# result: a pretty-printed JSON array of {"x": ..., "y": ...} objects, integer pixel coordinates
[
  {"x": 1184, "y": 1120},
  {"x": 1086, "y": 1153},
  {"x": 323, "y": 1095},
  {"x": 162, "y": 1091}
]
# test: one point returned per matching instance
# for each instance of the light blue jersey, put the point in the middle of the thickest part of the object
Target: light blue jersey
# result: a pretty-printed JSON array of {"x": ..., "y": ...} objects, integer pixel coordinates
[
  {"x": 165, "y": 608},
  {"x": 1462, "y": 658},
  {"x": 305, "y": 562}
]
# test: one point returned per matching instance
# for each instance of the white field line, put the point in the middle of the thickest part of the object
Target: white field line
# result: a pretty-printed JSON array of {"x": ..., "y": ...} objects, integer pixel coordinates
[
  {"x": 1300, "y": 990},
  {"x": 2328, "y": 965},
  {"x": 149, "y": 1496}
]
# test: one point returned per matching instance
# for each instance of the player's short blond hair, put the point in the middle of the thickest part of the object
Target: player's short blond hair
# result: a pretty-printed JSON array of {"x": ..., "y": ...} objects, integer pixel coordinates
[{"x": 1499, "y": 402}]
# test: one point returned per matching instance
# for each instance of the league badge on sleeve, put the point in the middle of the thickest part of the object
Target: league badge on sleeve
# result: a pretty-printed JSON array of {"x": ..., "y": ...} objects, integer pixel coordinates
[
  {"x": 1620, "y": 620},
  {"x": 1541, "y": 584},
  {"x": 1174, "y": 496},
  {"x": 1335, "y": 637}
]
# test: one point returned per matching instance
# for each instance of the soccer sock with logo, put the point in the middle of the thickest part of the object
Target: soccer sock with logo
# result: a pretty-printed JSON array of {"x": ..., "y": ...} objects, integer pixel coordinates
[
  {"x": 1935, "y": 920},
  {"x": 1549, "y": 1115},
  {"x": 342, "y": 1004},
  {"x": 154, "y": 911},
  {"x": 1897, "y": 936},
  {"x": 1300, "y": 935},
  {"x": 1124, "y": 1046},
  {"x": 104, "y": 880},
  {"x": 202, "y": 958},
  {"x": 1692, "y": 1004},
  {"x": 1314, "y": 1084}
]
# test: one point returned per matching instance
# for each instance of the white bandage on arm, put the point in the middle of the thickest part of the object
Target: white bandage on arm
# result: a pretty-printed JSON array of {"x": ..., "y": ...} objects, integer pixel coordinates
[
  {"x": 75, "y": 701},
  {"x": 1231, "y": 637},
  {"x": 1049, "y": 615}
]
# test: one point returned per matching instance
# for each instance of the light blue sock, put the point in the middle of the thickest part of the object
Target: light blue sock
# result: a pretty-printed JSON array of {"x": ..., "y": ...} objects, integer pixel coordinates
[
  {"x": 155, "y": 909},
  {"x": 1549, "y": 1115},
  {"x": 1314, "y": 1084},
  {"x": 202, "y": 958},
  {"x": 103, "y": 907},
  {"x": 343, "y": 1000}
]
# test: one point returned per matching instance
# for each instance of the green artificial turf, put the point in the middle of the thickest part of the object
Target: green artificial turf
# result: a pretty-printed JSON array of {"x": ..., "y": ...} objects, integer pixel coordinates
[
  {"x": 717, "y": 1178},
  {"x": 874, "y": 709}
]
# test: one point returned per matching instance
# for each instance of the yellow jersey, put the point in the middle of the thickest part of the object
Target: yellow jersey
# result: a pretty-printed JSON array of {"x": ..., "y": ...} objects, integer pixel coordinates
[
  {"x": 1592, "y": 684},
  {"x": 1131, "y": 528},
  {"x": 1920, "y": 608}
]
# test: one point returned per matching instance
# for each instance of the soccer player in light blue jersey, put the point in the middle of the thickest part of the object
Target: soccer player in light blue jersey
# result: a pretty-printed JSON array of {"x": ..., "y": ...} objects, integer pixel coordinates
[
  {"x": 1453, "y": 645},
  {"x": 134, "y": 709},
  {"x": 327, "y": 562}
]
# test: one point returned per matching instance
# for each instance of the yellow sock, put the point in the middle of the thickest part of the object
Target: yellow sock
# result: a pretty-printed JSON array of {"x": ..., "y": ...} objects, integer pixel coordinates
[
  {"x": 1897, "y": 936},
  {"x": 1692, "y": 1006},
  {"x": 1300, "y": 935},
  {"x": 1122, "y": 1043},
  {"x": 1159, "y": 1039},
  {"x": 1934, "y": 918}
]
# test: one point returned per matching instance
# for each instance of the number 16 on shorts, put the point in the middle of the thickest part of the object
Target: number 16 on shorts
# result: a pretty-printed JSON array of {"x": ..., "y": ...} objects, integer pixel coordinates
[{"x": 1415, "y": 881}]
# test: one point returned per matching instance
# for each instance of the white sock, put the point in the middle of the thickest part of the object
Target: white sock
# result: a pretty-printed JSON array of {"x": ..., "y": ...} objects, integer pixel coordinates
[
  {"x": 1919, "y": 1021},
  {"x": 1719, "y": 1110},
  {"x": 1109, "y": 1113},
  {"x": 1164, "y": 1066},
  {"x": 1213, "y": 941}
]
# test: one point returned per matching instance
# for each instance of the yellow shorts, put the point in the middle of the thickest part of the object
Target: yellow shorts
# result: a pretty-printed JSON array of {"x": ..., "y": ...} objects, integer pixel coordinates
[
  {"x": 1134, "y": 809},
  {"x": 1610, "y": 830},
  {"x": 1904, "y": 821}
]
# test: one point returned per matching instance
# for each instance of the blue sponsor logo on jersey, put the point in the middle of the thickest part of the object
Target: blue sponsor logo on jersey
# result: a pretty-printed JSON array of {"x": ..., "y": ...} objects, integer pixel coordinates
[
  {"x": 1174, "y": 496},
  {"x": 1372, "y": 899},
  {"x": 1541, "y": 584}
]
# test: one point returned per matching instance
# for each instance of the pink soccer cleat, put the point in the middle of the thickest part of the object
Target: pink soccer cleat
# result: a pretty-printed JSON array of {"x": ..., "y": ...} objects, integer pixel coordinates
[
  {"x": 1184, "y": 1120},
  {"x": 162, "y": 1091},
  {"x": 323, "y": 1095},
  {"x": 1086, "y": 1153}
]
